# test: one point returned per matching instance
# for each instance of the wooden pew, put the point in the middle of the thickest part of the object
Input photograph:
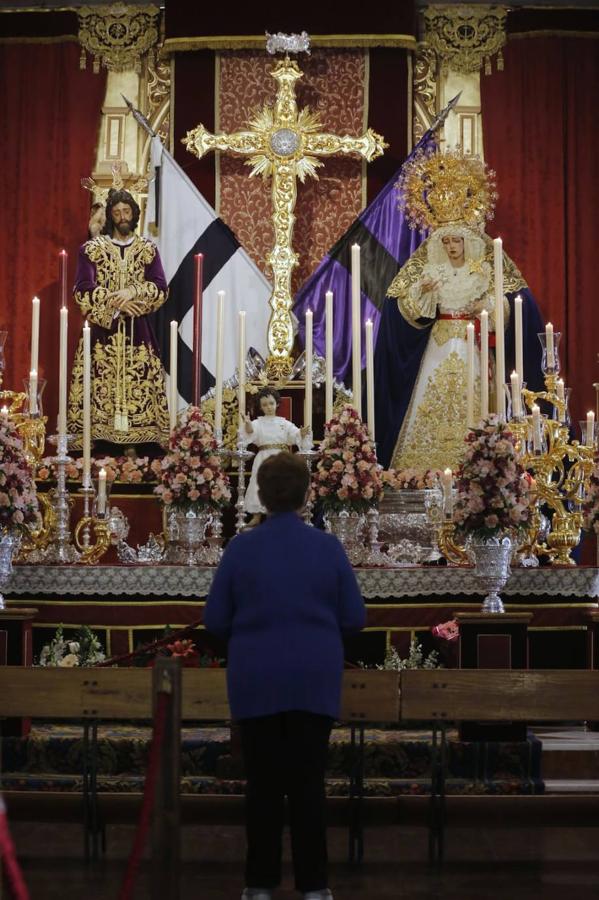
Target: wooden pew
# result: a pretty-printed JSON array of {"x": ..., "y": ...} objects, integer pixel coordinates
[{"x": 486, "y": 695}]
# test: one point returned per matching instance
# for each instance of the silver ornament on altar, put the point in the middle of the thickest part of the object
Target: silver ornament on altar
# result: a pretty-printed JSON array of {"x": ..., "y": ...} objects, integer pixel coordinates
[
  {"x": 287, "y": 43},
  {"x": 408, "y": 523},
  {"x": 9, "y": 547},
  {"x": 118, "y": 524},
  {"x": 146, "y": 554},
  {"x": 491, "y": 557}
]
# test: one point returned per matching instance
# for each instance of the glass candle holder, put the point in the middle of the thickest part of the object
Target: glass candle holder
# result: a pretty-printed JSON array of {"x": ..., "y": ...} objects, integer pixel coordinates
[
  {"x": 565, "y": 418},
  {"x": 584, "y": 433},
  {"x": 32, "y": 405},
  {"x": 515, "y": 411},
  {"x": 549, "y": 367}
]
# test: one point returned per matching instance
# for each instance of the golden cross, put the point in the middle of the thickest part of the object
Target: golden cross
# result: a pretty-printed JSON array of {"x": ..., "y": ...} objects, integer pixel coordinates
[{"x": 284, "y": 142}]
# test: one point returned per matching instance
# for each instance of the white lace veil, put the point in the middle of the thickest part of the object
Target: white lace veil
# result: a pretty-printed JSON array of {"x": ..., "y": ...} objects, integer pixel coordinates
[{"x": 474, "y": 245}]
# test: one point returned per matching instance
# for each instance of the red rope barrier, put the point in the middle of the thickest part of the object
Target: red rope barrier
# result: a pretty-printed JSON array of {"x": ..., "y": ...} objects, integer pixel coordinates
[
  {"x": 148, "y": 800},
  {"x": 148, "y": 648},
  {"x": 14, "y": 876}
]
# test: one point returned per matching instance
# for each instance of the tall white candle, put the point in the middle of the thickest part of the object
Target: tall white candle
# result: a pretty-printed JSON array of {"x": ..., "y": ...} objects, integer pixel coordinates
[
  {"x": 499, "y": 328},
  {"x": 470, "y": 375},
  {"x": 33, "y": 393},
  {"x": 447, "y": 482},
  {"x": 62, "y": 373},
  {"x": 309, "y": 350},
  {"x": 220, "y": 351},
  {"x": 590, "y": 429},
  {"x": 536, "y": 428},
  {"x": 369, "y": 333},
  {"x": 87, "y": 424},
  {"x": 484, "y": 364},
  {"x": 35, "y": 333},
  {"x": 519, "y": 338},
  {"x": 356, "y": 326},
  {"x": 328, "y": 412},
  {"x": 173, "y": 400},
  {"x": 516, "y": 395},
  {"x": 101, "y": 500},
  {"x": 550, "y": 345},
  {"x": 241, "y": 365}
]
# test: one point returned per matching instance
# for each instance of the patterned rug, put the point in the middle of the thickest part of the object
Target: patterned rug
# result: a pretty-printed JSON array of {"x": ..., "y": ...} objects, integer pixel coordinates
[{"x": 395, "y": 762}]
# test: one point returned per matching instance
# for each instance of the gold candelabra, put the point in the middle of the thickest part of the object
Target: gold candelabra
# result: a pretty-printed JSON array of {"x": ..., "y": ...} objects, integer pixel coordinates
[{"x": 561, "y": 469}]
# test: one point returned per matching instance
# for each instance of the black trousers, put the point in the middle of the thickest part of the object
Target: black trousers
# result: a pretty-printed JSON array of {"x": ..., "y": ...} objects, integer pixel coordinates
[{"x": 285, "y": 755}]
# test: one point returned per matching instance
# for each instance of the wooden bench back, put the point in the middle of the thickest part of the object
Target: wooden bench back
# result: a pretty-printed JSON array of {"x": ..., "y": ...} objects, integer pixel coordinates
[
  {"x": 500, "y": 695},
  {"x": 55, "y": 693}
]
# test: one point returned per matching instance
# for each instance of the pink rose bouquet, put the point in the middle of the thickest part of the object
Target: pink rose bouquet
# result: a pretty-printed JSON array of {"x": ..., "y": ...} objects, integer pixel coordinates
[
  {"x": 347, "y": 475},
  {"x": 493, "y": 490},
  {"x": 18, "y": 499},
  {"x": 410, "y": 479},
  {"x": 191, "y": 474}
]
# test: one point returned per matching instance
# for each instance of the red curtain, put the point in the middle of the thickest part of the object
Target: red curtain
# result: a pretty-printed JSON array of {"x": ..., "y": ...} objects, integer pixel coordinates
[
  {"x": 50, "y": 119},
  {"x": 541, "y": 132}
]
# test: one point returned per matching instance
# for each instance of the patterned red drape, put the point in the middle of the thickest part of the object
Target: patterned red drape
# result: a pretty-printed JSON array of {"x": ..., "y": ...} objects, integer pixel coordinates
[
  {"x": 541, "y": 132},
  {"x": 50, "y": 119}
]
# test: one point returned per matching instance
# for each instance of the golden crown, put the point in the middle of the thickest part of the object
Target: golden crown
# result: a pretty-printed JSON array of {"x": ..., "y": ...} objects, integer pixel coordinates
[{"x": 446, "y": 188}]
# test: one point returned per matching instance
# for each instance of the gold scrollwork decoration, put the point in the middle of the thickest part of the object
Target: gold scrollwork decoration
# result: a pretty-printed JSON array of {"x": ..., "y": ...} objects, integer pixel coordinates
[
  {"x": 91, "y": 553},
  {"x": 117, "y": 35},
  {"x": 424, "y": 91},
  {"x": 466, "y": 37}
]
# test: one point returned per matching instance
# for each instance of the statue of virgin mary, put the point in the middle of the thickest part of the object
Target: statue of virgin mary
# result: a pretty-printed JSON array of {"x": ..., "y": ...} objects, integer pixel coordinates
[{"x": 446, "y": 283}]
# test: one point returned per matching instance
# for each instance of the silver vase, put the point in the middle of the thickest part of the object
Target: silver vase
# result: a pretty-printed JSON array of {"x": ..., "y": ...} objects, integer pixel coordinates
[
  {"x": 9, "y": 546},
  {"x": 191, "y": 531},
  {"x": 350, "y": 529},
  {"x": 491, "y": 557}
]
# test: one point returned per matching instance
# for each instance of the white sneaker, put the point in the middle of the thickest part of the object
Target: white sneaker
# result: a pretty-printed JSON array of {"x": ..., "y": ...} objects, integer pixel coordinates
[
  {"x": 256, "y": 894},
  {"x": 318, "y": 895}
]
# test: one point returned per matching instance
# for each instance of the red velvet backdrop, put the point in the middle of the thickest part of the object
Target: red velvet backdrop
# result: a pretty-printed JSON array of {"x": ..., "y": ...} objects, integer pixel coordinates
[
  {"x": 541, "y": 132},
  {"x": 50, "y": 119}
]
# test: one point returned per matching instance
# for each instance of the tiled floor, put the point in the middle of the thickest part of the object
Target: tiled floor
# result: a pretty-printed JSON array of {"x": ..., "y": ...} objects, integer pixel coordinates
[{"x": 499, "y": 864}]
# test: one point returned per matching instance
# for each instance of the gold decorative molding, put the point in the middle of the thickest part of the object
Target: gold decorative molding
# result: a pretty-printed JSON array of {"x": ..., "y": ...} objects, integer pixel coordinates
[
  {"x": 117, "y": 36},
  {"x": 424, "y": 90},
  {"x": 466, "y": 37},
  {"x": 257, "y": 41}
]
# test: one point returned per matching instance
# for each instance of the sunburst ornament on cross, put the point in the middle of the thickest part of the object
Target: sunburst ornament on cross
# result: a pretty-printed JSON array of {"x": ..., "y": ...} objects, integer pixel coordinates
[{"x": 285, "y": 143}]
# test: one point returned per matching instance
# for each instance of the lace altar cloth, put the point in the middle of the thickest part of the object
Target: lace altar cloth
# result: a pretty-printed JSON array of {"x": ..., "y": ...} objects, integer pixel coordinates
[{"x": 195, "y": 581}]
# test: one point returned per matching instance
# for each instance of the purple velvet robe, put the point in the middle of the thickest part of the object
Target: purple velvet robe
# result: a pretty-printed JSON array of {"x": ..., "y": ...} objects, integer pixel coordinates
[{"x": 128, "y": 393}]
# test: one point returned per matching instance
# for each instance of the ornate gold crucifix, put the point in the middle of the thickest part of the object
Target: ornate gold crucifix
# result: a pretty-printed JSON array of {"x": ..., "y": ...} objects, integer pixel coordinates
[{"x": 285, "y": 143}]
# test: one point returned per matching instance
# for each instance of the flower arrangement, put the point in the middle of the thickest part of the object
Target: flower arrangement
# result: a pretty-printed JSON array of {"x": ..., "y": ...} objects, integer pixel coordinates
[
  {"x": 85, "y": 650},
  {"x": 18, "y": 498},
  {"x": 493, "y": 490},
  {"x": 125, "y": 469},
  {"x": 347, "y": 475},
  {"x": 591, "y": 506},
  {"x": 410, "y": 479},
  {"x": 191, "y": 474},
  {"x": 416, "y": 659}
]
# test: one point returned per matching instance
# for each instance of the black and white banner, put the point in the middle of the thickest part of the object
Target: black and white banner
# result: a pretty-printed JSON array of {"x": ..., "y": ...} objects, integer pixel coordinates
[{"x": 187, "y": 225}]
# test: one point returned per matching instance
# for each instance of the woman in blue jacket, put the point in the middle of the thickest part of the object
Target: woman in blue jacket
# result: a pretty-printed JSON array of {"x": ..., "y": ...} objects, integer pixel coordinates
[{"x": 283, "y": 595}]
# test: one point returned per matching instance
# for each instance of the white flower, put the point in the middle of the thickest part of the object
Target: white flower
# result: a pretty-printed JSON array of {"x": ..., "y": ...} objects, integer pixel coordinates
[
  {"x": 73, "y": 646},
  {"x": 70, "y": 660}
]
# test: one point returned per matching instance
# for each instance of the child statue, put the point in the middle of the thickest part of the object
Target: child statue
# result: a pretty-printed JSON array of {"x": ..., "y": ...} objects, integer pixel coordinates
[{"x": 271, "y": 434}]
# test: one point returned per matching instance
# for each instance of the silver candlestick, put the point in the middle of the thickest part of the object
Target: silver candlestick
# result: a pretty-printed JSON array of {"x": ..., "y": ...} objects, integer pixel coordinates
[
  {"x": 309, "y": 456},
  {"x": 60, "y": 550}
]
